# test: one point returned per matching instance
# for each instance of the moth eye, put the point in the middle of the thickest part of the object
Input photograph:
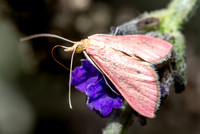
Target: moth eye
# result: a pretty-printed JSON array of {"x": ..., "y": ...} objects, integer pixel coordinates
[{"x": 79, "y": 49}]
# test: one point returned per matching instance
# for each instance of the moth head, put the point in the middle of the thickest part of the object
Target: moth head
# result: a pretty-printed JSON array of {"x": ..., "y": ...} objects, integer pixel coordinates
[
  {"x": 79, "y": 46},
  {"x": 79, "y": 49}
]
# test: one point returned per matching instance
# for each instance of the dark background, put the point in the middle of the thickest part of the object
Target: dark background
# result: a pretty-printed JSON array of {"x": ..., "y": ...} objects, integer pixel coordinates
[{"x": 33, "y": 87}]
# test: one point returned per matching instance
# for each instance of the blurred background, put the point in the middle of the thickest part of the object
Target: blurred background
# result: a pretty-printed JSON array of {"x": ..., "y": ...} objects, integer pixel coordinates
[{"x": 33, "y": 87}]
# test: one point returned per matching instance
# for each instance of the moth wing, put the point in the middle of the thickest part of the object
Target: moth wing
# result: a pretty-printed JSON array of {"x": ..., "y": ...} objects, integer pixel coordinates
[
  {"x": 147, "y": 48},
  {"x": 135, "y": 80}
]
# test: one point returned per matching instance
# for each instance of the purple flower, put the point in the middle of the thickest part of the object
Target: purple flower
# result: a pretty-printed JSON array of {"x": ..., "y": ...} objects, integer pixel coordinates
[{"x": 90, "y": 81}]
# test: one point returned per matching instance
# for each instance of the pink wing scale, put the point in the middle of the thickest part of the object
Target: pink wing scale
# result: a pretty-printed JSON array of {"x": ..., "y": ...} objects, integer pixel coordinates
[
  {"x": 135, "y": 80},
  {"x": 148, "y": 48}
]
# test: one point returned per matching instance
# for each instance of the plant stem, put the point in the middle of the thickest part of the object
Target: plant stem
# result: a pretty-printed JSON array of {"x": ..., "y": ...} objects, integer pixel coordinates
[
  {"x": 177, "y": 13},
  {"x": 171, "y": 21},
  {"x": 120, "y": 121}
]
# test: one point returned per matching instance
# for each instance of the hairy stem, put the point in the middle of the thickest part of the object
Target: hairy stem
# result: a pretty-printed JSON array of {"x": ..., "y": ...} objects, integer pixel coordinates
[{"x": 120, "y": 121}]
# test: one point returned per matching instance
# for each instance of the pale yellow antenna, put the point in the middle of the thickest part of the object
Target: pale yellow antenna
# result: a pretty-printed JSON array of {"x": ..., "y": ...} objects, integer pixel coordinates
[
  {"x": 45, "y": 35},
  {"x": 70, "y": 76},
  {"x": 58, "y": 37}
]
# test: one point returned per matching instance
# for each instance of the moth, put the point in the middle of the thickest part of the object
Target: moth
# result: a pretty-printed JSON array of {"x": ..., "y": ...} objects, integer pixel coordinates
[{"x": 128, "y": 62}]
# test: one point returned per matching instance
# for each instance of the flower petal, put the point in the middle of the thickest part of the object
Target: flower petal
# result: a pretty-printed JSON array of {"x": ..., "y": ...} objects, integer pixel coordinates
[{"x": 90, "y": 81}]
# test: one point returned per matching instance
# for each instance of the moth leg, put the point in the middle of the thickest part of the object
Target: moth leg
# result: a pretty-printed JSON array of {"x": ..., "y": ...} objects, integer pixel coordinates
[
  {"x": 92, "y": 62},
  {"x": 116, "y": 31}
]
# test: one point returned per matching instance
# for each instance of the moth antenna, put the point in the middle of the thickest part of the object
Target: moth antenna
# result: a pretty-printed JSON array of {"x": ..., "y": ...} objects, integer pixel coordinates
[
  {"x": 53, "y": 36},
  {"x": 45, "y": 35},
  {"x": 58, "y": 37},
  {"x": 70, "y": 77},
  {"x": 116, "y": 31},
  {"x": 56, "y": 59}
]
